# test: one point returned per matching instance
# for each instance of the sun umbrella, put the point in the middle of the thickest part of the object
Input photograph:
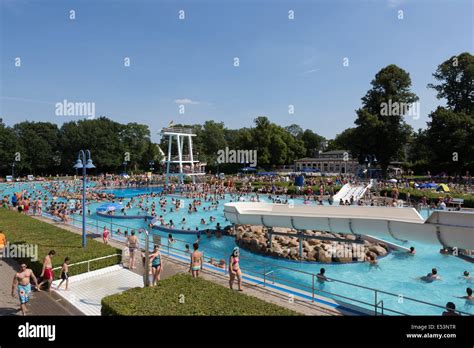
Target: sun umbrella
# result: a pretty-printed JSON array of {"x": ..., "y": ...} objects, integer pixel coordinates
[{"x": 443, "y": 187}]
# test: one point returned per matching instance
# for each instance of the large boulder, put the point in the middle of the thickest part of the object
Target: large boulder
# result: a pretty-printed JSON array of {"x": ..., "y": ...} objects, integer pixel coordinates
[
  {"x": 256, "y": 229},
  {"x": 294, "y": 242},
  {"x": 377, "y": 249},
  {"x": 322, "y": 255}
]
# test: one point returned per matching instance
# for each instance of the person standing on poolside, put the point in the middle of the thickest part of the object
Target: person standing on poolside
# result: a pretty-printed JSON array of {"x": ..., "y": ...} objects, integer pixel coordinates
[
  {"x": 234, "y": 269},
  {"x": 105, "y": 235},
  {"x": 156, "y": 264},
  {"x": 47, "y": 274},
  {"x": 21, "y": 281},
  {"x": 196, "y": 261},
  {"x": 132, "y": 242},
  {"x": 64, "y": 273}
]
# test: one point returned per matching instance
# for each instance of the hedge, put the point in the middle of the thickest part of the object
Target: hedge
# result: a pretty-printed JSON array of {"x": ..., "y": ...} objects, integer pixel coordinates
[
  {"x": 416, "y": 194},
  {"x": 23, "y": 229},
  {"x": 183, "y": 295}
]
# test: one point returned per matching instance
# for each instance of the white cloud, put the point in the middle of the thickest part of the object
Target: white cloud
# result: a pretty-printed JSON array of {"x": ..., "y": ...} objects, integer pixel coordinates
[
  {"x": 395, "y": 3},
  {"x": 310, "y": 71},
  {"x": 185, "y": 101}
]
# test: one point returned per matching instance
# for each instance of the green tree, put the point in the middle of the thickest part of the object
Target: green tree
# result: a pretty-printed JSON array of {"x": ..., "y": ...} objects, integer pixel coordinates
[
  {"x": 456, "y": 83},
  {"x": 376, "y": 133}
]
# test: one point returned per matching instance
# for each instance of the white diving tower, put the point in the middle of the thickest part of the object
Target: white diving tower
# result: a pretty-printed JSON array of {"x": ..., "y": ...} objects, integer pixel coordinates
[{"x": 182, "y": 164}]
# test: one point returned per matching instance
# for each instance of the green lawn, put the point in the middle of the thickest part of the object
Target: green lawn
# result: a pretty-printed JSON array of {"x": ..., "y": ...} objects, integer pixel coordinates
[
  {"x": 201, "y": 297},
  {"x": 22, "y": 229}
]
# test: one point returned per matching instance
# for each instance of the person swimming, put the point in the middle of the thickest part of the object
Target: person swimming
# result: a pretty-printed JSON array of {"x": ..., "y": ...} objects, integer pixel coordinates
[
  {"x": 321, "y": 275},
  {"x": 431, "y": 276},
  {"x": 469, "y": 296}
]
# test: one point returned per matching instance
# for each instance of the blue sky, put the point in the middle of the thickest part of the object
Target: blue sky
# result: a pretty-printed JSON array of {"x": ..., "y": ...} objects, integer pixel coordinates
[{"x": 190, "y": 61}]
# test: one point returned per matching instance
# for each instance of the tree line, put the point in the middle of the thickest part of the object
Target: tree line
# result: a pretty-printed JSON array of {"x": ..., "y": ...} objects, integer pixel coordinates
[{"x": 380, "y": 130}]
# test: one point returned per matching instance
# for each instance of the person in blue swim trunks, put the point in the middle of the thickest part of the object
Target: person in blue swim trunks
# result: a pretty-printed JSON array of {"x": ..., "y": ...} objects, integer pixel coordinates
[{"x": 22, "y": 284}]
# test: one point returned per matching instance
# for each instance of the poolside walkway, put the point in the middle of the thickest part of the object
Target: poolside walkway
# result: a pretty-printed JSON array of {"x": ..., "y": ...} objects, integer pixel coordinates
[
  {"x": 41, "y": 303},
  {"x": 173, "y": 266}
]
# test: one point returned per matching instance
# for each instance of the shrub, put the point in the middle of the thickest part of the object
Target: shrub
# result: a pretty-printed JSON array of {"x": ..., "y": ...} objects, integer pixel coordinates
[{"x": 198, "y": 297}]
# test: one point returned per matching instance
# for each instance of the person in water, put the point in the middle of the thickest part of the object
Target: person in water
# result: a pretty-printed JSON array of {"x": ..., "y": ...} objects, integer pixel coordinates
[
  {"x": 234, "y": 269},
  {"x": 468, "y": 296},
  {"x": 156, "y": 264},
  {"x": 321, "y": 276},
  {"x": 467, "y": 276},
  {"x": 412, "y": 251},
  {"x": 450, "y": 310},
  {"x": 431, "y": 276},
  {"x": 196, "y": 261}
]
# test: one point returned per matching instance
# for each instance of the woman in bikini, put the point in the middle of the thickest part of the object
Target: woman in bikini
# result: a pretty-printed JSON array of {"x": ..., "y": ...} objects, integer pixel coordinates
[
  {"x": 156, "y": 264},
  {"x": 196, "y": 261},
  {"x": 132, "y": 246},
  {"x": 234, "y": 269}
]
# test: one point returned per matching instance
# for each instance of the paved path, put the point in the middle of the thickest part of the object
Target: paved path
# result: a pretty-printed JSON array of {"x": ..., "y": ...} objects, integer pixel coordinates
[
  {"x": 41, "y": 303},
  {"x": 173, "y": 266}
]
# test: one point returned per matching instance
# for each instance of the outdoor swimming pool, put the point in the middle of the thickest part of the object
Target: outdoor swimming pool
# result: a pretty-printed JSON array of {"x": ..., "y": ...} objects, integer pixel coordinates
[{"x": 396, "y": 273}]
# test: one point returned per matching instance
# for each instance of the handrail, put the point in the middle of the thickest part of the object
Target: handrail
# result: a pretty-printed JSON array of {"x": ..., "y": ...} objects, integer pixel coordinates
[
  {"x": 301, "y": 285},
  {"x": 88, "y": 262}
]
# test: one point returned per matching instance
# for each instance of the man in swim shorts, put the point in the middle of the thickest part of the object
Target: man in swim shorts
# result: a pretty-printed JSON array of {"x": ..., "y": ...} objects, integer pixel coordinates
[
  {"x": 47, "y": 273},
  {"x": 21, "y": 282}
]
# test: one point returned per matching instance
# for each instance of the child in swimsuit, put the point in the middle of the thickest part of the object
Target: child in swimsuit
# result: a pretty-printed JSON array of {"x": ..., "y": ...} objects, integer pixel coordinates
[
  {"x": 156, "y": 266},
  {"x": 64, "y": 273}
]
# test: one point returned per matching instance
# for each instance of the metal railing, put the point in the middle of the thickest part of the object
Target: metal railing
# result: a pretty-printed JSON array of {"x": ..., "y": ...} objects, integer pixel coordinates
[
  {"x": 88, "y": 262},
  {"x": 377, "y": 306}
]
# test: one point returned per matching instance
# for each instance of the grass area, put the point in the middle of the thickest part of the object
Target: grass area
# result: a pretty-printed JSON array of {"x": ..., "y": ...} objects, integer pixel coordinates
[
  {"x": 22, "y": 229},
  {"x": 201, "y": 297},
  {"x": 431, "y": 195}
]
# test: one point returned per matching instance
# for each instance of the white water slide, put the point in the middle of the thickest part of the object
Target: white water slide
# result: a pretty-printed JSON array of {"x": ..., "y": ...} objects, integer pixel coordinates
[
  {"x": 347, "y": 191},
  {"x": 450, "y": 229}
]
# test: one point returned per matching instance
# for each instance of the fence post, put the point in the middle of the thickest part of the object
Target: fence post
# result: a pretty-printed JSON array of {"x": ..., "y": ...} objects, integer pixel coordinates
[
  {"x": 313, "y": 286},
  {"x": 264, "y": 276},
  {"x": 375, "y": 302},
  {"x": 88, "y": 266}
]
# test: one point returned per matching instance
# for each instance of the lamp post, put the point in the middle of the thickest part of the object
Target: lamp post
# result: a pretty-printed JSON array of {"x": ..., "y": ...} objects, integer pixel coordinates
[
  {"x": 13, "y": 171},
  {"x": 146, "y": 277},
  {"x": 84, "y": 164}
]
